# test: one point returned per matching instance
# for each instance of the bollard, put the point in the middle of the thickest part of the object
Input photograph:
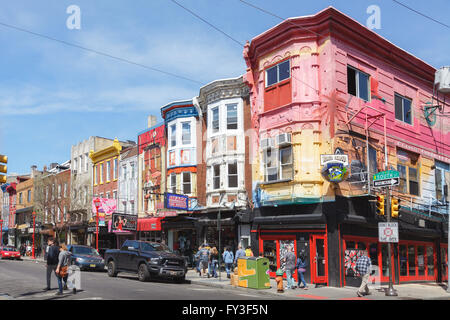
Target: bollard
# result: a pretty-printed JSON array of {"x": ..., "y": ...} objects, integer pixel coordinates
[{"x": 74, "y": 278}]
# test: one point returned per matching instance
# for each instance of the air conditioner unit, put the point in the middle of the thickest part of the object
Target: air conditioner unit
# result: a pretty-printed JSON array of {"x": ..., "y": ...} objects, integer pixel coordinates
[
  {"x": 74, "y": 171},
  {"x": 284, "y": 139},
  {"x": 442, "y": 80},
  {"x": 266, "y": 143}
]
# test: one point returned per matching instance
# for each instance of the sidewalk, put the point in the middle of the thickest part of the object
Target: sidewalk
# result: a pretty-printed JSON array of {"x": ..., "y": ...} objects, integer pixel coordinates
[
  {"x": 413, "y": 291},
  {"x": 410, "y": 291}
]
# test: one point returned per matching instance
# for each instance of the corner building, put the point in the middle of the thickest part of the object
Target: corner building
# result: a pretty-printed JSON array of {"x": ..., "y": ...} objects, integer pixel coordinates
[{"x": 326, "y": 85}]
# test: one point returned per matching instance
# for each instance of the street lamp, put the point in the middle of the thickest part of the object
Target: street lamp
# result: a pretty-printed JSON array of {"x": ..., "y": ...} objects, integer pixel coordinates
[
  {"x": 34, "y": 229},
  {"x": 97, "y": 204}
]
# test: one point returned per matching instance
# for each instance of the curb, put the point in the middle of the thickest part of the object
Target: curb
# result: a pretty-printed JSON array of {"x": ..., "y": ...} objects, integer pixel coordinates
[{"x": 228, "y": 286}]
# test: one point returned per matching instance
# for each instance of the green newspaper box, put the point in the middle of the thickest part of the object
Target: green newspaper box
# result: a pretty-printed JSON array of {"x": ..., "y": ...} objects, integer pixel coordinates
[{"x": 253, "y": 273}]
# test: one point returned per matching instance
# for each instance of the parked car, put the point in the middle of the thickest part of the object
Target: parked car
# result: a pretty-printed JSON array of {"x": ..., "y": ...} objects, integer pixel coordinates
[
  {"x": 147, "y": 259},
  {"x": 87, "y": 258},
  {"x": 9, "y": 252}
]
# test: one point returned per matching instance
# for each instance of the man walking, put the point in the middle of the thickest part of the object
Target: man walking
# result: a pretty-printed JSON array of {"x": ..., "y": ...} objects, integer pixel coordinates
[
  {"x": 228, "y": 259},
  {"x": 52, "y": 260},
  {"x": 363, "y": 266},
  {"x": 290, "y": 261}
]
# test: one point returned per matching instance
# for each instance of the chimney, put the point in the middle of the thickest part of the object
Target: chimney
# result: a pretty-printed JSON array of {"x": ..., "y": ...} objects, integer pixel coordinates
[
  {"x": 45, "y": 168},
  {"x": 151, "y": 121},
  {"x": 53, "y": 165},
  {"x": 33, "y": 169}
]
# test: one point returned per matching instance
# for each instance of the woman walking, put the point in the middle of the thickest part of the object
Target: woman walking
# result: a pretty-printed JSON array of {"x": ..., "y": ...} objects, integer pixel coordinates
[
  {"x": 213, "y": 261},
  {"x": 301, "y": 269},
  {"x": 62, "y": 268}
]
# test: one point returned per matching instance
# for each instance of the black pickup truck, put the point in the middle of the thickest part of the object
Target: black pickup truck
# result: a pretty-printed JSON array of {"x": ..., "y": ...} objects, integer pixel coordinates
[{"x": 147, "y": 259}]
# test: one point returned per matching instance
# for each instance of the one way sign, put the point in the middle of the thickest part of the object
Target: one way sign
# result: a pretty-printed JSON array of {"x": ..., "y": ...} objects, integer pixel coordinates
[{"x": 386, "y": 182}]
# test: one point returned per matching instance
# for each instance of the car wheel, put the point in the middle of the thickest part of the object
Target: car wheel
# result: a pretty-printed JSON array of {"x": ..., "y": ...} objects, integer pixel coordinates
[
  {"x": 112, "y": 269},
  {"x": 180, "y": 279},
  {"x": 143, "y": 273}
]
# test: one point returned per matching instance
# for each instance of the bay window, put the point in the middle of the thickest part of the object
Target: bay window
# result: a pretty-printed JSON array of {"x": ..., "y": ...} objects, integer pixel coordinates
[
  {"x": 186, "y": 133},
  {"x": 186, "y": 182},
  {"x": 216, "y": 176}
]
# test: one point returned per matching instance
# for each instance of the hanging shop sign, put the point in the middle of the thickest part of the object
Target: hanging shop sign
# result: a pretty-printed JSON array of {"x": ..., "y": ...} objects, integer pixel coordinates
[
  {"x": 334, "y": 167},
  {"x": 177, "y": 201},
  {"x": 124, "y": 222}
]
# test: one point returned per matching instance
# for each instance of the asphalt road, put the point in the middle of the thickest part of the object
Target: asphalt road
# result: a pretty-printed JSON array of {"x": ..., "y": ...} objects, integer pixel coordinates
[{"x": 25, "y": 280}]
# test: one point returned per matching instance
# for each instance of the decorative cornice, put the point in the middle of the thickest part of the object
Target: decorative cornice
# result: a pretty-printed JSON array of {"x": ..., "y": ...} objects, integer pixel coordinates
[
  {"x": 222, "y": 89},
  {"x": 108, "y": 152}
]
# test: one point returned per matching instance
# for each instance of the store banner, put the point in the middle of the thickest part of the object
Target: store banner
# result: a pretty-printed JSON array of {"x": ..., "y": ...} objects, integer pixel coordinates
[
  {"x": 108, "y": 206},
  {"x": 177, "y": 201},
  {"x": 124, "y": 222}
]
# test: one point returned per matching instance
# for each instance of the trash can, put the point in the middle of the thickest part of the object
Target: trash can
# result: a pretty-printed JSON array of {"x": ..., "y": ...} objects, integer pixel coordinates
[{"x": 253, "y": 272}]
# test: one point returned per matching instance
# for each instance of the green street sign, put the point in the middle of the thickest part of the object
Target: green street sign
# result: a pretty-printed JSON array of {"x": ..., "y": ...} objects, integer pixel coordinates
[{"x": 384, "y": 175}]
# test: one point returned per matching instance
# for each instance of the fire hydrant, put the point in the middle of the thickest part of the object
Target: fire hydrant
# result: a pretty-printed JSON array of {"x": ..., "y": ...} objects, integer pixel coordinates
[{"x": 279, "y": 280}]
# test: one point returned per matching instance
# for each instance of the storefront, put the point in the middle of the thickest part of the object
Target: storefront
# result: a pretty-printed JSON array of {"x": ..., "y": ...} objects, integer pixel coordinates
[
  {"x": 149, "y": 229},
  {"x": 78, "y": 233},
  {"x": 310, "y": 243}
]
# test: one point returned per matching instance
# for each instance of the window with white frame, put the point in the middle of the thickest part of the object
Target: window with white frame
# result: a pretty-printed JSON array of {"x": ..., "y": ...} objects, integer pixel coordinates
[
  {"x": 101, "y": 173},
  {"x": 403, "y": 111},
  {"x": 215, "y": 125},
  {"x": 124, "y": 172},
  {"x": 358, "y": 83},
  {"x": 86, "y": 164},
  {"x": 115, "y": 169},
  {"x": 132, "y": 170},
  {"x": 65, "y": 213},
  {"x": 107, "y": 195},
  {"x": 59, "y": 191},
  {"x": 95, "y": 175},
  {"x": 85, "y": 194},
  {"x": 65, "y": 189},
  {"x": 186, "y": 182},
  {"x": 232, "y": 117},
  {"x": 278, "y": 164},
  {"x": 186, "y": 133},
  {"x": 108, "y": 170},
  {"x": 278, "y": 73},
  {"x": 442, "y": 179},
  {"x": 81, "y": 163},
  {"x": 216, "y": 176},
  {"x": 173, "y": 183},
  {"x": 173, "y": 135},
  {"x": 75, "y": 162},
  {"x": 232, "y": 175},
  {"x": 115, "y": 194}
]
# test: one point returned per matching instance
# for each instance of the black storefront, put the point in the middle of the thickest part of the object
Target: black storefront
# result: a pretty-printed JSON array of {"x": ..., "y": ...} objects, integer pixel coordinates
[
  {"x": 331, "y": 234},
  {"x": 197, "y": 228}
]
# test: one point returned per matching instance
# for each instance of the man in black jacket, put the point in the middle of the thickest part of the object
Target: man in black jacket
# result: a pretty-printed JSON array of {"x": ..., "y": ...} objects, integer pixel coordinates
[{"x": 52, "y": 260}]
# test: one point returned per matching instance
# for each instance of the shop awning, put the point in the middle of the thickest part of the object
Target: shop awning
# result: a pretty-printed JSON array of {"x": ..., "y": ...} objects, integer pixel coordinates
[{"x": 149, "y": 224}]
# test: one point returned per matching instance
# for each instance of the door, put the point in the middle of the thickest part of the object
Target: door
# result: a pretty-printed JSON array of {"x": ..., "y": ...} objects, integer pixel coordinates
[
  {"x": 274, "y": 249},
  {"x": 319, "y": 259}
]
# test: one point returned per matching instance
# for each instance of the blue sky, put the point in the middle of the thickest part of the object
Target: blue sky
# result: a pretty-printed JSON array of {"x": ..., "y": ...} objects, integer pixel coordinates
[{"x": 52, "y": 96}]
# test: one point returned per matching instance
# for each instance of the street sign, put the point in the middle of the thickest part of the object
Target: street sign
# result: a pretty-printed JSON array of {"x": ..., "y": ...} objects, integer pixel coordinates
[
  {"x": 384, "y": 175},
  {"x": 388, "y": 232},
  {"x": 386, "y": 178},
  {"x": 386, "y": 183}
]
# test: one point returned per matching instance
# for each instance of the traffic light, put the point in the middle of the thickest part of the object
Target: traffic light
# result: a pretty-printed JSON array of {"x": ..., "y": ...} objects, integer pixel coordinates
[
  {"x": 3, "y": 168},
  {"x": 395, "y": 206},
  {"x": 380, "y": 205}
]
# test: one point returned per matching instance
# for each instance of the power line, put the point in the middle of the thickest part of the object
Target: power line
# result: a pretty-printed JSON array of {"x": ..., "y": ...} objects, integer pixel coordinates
[
  {"x": 208, "y": 23},
  {"x": 420, "y": 13},
  {"x": 278, "y": 17},
  {"x": 97, "y": 52}
]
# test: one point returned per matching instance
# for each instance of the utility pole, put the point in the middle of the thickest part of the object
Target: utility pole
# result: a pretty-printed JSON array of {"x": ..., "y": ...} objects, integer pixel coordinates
[{"x": 390, "y": 290}]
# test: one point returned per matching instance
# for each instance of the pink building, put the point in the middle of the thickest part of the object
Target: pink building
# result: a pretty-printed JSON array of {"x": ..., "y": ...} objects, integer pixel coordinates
[{"x": 326, "y": 85}]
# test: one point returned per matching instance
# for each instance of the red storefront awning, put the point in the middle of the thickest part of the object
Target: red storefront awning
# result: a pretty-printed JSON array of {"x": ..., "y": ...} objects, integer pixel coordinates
[{"x": 149, "y": 224}]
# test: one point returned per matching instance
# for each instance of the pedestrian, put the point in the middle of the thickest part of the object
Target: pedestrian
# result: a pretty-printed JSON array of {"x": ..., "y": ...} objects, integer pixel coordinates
[
  {"x": 290, "y": 263},
  {"x": 363, "y": 266},
  {"x": 301, "y": 269},
  {"x": 62, "y": 268},
  {"x": 279, "y": 280},
  {"x": 52, "y": 260},
  {"x": 213, "y": 262},
  {"x": 239, "y": 253},
  {"x": 248, "y": 252},
  {"x": 22, "y": 250},
  {"x": 197, "y": 261},
  {"x": 204, "y": 259},
  {"x": 228, "y": 259}
]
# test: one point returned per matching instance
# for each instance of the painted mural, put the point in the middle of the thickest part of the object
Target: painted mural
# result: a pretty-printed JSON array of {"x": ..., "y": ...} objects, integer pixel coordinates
[{"x": 350, "y": 258}]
